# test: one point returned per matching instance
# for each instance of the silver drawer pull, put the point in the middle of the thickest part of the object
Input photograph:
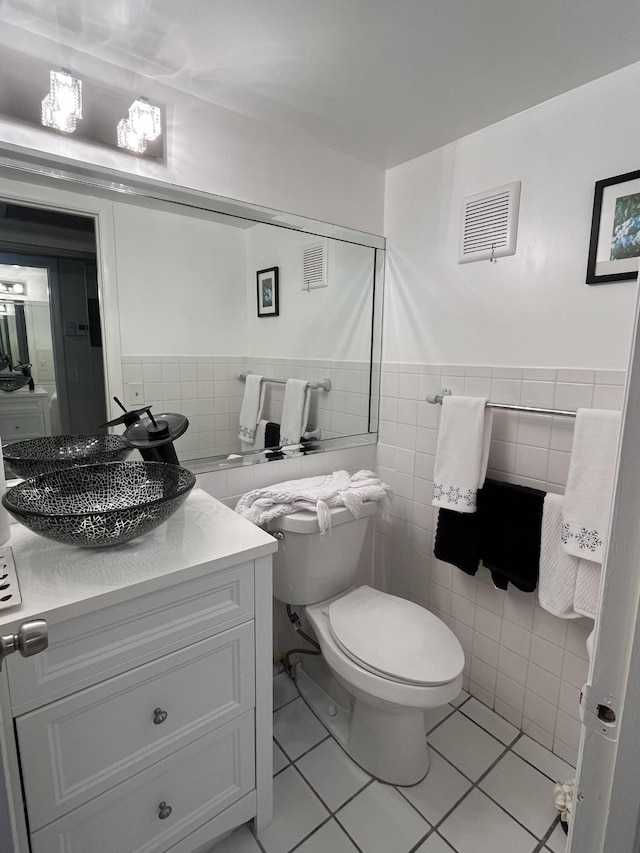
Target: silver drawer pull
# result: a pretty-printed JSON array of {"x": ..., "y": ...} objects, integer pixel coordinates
[
  {"x": 164, "y": 810},
  {"x": 159, "y": 716}
]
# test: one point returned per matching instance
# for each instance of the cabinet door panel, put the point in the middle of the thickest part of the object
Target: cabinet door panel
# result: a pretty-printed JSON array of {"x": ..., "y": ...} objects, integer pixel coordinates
[
  {"x": 78, "y": 747},
  {"x": 90, "y": 648},
  {"x": 16, "y": 427},
  {"x": 155, "y": 809}
]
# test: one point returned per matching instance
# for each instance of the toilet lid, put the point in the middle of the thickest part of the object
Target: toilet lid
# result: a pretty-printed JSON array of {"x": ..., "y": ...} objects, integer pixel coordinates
[{"x": 395, "y": 638}]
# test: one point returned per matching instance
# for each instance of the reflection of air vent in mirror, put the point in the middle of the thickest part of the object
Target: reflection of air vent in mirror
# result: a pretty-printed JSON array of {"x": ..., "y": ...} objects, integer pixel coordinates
[
  {"x": 489, "y": 224},
  {"x": 314, "y": 265}
]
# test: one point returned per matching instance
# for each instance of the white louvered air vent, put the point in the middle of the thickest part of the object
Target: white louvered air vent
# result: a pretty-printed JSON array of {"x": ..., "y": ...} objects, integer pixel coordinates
[
  {"x": 489, "y": 225},
  {"x": 314, "y": 265}
]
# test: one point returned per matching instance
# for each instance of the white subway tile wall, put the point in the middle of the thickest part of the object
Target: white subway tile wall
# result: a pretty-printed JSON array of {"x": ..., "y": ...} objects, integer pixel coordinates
[
  {"x": 524, "y": 663},
  {"x": 208, "y": 391}
]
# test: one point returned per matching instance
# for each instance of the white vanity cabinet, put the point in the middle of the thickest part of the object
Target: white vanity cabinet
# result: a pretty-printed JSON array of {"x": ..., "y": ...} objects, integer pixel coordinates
[
  {"x": 146, "y": 723},
  {"x": 24, "y": 414}
]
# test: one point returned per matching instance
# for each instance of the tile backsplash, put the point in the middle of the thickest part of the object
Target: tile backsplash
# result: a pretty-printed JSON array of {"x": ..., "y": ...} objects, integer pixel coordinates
[{"x": 520, "y": 660}]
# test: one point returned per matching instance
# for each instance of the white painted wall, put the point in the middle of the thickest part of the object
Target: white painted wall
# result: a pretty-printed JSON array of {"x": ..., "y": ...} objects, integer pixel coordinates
[
  {"x": 216, "y": 150},
  {"x": 181, "y": 283},
  {"x": 331, "y": 323},
  {"x": 534, "y": 308}
]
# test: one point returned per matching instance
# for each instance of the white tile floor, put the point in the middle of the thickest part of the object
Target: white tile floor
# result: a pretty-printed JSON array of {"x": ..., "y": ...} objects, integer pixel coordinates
[{"x": 489, "y": 790}]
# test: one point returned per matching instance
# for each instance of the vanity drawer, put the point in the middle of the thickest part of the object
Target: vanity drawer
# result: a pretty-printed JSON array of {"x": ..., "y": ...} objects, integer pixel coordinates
[
  {"x": 19, "y": 426},
  {"x": 155, "y": 809},
  {"x": 90, "y": 648},
  {"x": 77, "y": 748}
]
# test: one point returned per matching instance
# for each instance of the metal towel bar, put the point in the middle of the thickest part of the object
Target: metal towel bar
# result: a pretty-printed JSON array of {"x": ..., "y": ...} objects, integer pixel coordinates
[
  {"x": 438, "y": 398},
  {"x": 325, "y": 384}
]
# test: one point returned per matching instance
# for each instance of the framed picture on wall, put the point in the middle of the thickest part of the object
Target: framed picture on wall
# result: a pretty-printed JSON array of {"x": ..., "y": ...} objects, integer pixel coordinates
[
  {"x": 268, "y": 305},
  {"x": 614, "y": 250}
]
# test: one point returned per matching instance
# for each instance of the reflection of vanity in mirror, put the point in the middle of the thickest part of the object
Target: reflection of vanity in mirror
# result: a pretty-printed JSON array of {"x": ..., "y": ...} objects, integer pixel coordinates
[
  {"x": 157, "y": 285},
  {"x": 24, "y": 328}
]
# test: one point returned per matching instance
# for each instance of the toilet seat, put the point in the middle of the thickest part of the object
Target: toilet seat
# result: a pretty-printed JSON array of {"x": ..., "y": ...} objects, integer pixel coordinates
[{"x": 394, "y": 638}]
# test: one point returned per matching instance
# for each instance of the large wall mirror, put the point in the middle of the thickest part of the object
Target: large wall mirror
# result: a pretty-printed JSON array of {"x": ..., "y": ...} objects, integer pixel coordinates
[{"x": 135, "y": 289}]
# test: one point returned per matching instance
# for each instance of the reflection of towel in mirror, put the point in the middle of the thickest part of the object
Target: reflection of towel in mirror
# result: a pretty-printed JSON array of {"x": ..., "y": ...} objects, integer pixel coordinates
[
  {"x": 259, "y": 440},
  {"x": 272, "y": 434},
  {"x": 316, "y": 494},
  {"x": 295, "y": 411},
  {"x": 251, "y": 409}
]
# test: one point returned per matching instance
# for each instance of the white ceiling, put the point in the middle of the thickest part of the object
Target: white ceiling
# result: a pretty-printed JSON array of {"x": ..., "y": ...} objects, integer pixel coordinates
[{"x": 382, "y": 80}]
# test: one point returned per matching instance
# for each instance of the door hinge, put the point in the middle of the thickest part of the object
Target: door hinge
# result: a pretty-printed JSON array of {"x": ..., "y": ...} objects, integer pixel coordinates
[{"x": 600, "y": 712}]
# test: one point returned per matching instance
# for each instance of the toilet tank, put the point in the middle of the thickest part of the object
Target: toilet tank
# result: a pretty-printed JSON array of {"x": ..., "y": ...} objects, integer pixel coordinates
[{"x": 308, "y": 567}]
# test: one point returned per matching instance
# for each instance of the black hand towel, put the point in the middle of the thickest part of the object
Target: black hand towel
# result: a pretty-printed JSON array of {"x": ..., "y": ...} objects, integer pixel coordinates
[
  {"x": 458, "y": 539},
  {"x": 272, "y": 434},
  {"x": 511, "y": 519}
]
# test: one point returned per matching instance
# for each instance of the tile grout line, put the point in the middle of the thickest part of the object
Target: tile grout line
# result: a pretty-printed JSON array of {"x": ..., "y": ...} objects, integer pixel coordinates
[
  {"x": 475, "y": 785},
  {"x": 433, "y": 828},
  {"x": 332, "y": 814}
]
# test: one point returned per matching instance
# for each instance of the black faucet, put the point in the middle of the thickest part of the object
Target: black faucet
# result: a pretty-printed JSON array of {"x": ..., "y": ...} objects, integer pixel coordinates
[{"x": 25, "y": 369}]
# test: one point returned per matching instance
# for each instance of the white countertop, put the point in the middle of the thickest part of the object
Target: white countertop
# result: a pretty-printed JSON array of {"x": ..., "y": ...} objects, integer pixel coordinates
[{"x": 60, "y": 581}]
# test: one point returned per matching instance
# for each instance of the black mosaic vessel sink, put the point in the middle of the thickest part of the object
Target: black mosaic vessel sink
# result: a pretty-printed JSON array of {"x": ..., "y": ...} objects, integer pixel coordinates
[
  {"x": 13, "y": 381},
  {"x": 55, "y": 452},
  {"x": 96, "y": 506}
]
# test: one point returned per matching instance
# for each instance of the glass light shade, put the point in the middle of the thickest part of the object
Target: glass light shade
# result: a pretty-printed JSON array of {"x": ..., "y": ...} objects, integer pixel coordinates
[
  {"x": 145, "y": 119},
  {"x": 63, "y": 104},
  {"x": 129, "y": 139},
  {"x": 53, "y": 117},
  {"x": 66, "y": 92}
]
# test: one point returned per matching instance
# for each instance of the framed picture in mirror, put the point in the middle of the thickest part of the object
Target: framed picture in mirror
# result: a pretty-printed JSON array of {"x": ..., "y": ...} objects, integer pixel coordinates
[{"x": 268, "y": 302}]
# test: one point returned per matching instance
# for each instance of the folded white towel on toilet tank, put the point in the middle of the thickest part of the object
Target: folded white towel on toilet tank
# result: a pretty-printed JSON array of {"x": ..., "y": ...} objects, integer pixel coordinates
[
  {"x": 462, "y": 452},
  {"x": 316, "y": 494}
]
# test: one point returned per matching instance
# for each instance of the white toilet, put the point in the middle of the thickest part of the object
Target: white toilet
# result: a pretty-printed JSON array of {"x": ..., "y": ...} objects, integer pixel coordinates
[{"x": 388, "y": 659}]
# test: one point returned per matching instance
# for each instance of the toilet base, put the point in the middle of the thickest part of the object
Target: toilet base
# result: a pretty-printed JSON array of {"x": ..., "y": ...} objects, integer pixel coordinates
[{"x": 387, "y": 742}]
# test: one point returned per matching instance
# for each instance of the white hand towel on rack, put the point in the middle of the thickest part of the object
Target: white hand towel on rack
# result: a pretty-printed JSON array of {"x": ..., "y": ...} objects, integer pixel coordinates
[
  {"x": 587, "y": 588},
  {"x": 589, "y": 491},
  {"x": 251, "y": 409},
  {"x": 462, "y": 452},
  {"x": 295, "y": 411},
  {"x": 558, "y": 570}
]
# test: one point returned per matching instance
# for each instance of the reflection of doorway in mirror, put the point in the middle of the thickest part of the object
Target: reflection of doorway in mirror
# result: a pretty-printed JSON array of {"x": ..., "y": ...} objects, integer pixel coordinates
[{"x": 59, "y": 317}]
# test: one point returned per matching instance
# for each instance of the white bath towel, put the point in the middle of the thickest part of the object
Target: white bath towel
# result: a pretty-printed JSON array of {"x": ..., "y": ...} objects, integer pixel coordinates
[
  {"x": 295, "y": 411},
  {"x": 316, "y": 494},
  {"x": 589, "y": 491},
  {"x": 462, "y": 452},
  {"x": 258, "y": 441},
  {"x": 251, "y": 409},
  {"x": 558, "y": 570},
  {"x": 587, "y": 595}
]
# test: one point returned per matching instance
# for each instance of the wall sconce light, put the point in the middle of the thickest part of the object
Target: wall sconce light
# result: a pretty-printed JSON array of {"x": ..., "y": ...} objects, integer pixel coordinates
[
  {"x": 63, "y": 105},
  {"x": 14, "y": 288},
  {"x": 143, "y": 124}
]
